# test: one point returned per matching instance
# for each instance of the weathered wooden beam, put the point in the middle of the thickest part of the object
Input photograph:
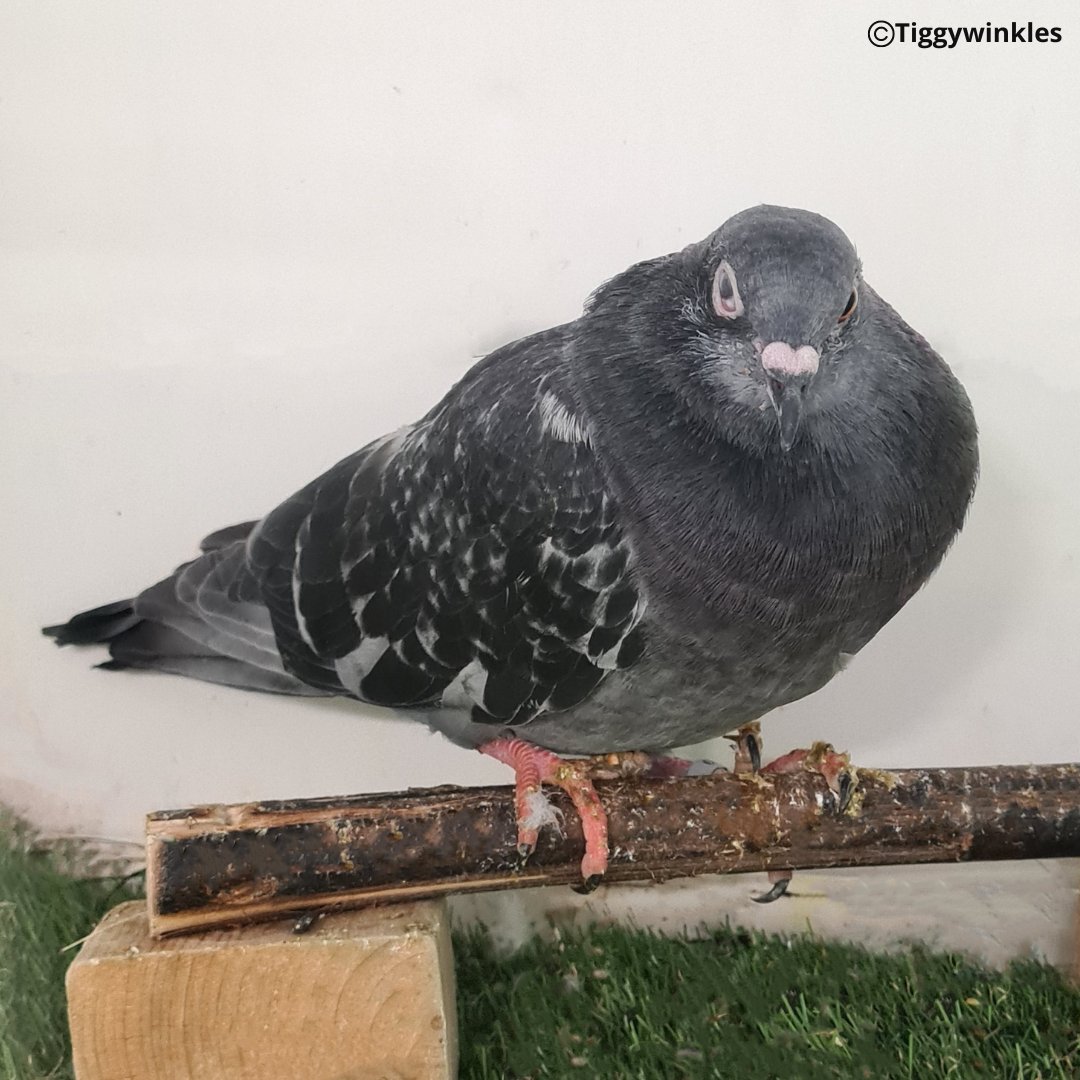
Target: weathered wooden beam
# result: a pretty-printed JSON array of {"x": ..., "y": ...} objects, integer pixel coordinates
[{"x": 219, "y": 865}]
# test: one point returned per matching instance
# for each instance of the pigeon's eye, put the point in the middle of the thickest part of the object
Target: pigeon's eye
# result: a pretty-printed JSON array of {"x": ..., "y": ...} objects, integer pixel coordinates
[
  {"x": 726, "y": 301},
  {"x": 853, "y": 299}
]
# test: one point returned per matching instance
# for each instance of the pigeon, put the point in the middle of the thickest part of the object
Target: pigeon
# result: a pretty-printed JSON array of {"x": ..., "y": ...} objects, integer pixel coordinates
[{"x": 636, "y": 531}]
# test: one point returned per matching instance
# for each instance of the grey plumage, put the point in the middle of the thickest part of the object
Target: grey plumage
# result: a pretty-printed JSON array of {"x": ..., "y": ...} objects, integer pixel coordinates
[{"x": 597, "y": 539}]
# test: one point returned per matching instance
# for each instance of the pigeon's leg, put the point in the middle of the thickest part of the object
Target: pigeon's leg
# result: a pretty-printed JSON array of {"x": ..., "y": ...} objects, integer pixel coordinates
[
  {"x": 823, "y": 759},
  {"x": 747, "y": 742},
  {"x": 533, "y": 767},
  {"x": 841, "y": 778}
]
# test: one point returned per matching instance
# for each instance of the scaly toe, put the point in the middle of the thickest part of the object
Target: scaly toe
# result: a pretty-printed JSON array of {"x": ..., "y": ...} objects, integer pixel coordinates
[
  {"x": 841, "y": 776},
  {"x": 533, "y": 767}
]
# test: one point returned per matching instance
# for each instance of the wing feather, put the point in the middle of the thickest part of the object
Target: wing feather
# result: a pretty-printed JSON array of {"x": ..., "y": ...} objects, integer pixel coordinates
[{"x": 441, "y": 567}]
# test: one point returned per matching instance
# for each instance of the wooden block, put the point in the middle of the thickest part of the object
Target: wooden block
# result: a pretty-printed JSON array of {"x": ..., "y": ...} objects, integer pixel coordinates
[
  {"x": 1074, "y": 968},
  {"x": 363, "y": 995}
]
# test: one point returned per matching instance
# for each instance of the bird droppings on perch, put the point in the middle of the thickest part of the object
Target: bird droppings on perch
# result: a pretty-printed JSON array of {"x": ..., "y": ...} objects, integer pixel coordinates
[{"x": 219, "y": 865}]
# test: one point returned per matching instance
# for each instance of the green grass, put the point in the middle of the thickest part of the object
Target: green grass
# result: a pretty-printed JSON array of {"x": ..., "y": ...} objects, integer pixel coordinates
[
  {"x": 42, "y": 909},
  {"x": 612, "y": 1002}
]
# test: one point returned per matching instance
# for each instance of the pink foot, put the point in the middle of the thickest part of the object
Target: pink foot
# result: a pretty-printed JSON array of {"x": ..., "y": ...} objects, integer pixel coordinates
[
  {"x": 820, "y": 758},
  {"x": 534, "y": 766}
]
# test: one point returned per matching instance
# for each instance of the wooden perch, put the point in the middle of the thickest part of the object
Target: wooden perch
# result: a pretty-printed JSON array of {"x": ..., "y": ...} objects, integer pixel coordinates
[{"x": 217, "y": 865}]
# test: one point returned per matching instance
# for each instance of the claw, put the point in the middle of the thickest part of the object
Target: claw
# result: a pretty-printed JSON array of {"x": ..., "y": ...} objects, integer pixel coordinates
[
  {"x": 846, "y": 786},
  {"x": 589, "y": 885},
  {"x": 753, "y": 748},
  {"x": 747, "y": 742},
  {"x": 779, "y": 888},
  {"x": 305, "y": 921}
]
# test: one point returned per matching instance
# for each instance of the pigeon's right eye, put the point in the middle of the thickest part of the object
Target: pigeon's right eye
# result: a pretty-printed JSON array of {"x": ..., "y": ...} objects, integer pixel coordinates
[{"x": 726, "y": 301}]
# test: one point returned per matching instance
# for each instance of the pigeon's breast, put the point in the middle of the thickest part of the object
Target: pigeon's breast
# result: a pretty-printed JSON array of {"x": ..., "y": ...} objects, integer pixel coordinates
[
  {"x": 758, "y": 591},
  {"x": 680, "y": 692}
]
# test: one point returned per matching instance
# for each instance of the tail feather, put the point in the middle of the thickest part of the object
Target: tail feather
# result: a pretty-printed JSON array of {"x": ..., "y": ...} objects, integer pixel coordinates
[
  {"x": 100, "y": 624},
  {"x": 151, "y": 646},
  {"x": 206, "y": 621}
]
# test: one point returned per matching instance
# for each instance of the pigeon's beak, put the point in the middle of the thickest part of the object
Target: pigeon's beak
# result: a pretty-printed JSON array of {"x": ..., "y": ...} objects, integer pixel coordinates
[
  {"x": 787, "y": 399},
  {"x": 788, "y": 374}
]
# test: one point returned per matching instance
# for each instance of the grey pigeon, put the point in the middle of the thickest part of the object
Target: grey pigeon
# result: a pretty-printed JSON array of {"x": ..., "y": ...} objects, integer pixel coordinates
[{"x": 635, "y": 531}]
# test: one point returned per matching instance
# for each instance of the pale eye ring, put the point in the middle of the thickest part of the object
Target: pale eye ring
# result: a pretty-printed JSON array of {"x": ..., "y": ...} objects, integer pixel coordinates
[{"x": 726, "y": 301}]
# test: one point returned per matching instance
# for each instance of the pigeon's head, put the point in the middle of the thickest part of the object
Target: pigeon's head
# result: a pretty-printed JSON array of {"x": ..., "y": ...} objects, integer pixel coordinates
[{"x": 777, "y": 295}]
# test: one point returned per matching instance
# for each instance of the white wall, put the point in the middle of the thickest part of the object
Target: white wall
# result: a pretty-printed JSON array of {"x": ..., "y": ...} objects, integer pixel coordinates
[{"x": 240, "y": 239}]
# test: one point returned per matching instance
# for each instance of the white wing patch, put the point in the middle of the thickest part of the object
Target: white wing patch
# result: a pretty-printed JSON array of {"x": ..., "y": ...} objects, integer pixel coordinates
[
  {"x": 301, "y": 622},
  {"x": 557, "y": 421},
  {"x": 467, "y": 689},
  {"x": 353, "y": 667},
  {"x": 609, "y": 660}
]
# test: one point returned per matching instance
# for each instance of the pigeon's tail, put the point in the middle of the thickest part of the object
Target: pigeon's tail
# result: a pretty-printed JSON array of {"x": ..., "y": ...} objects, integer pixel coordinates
[
  {"x": 100, "y": 624},
  {"x": 206, "y": 621}
]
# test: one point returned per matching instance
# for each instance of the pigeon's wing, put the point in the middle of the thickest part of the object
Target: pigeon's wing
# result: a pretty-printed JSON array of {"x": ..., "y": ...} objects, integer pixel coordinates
[
  {"x": 473, "y": 561},
  {"x": 211, "y": 619},
  {"x": 464, "y": 562}
]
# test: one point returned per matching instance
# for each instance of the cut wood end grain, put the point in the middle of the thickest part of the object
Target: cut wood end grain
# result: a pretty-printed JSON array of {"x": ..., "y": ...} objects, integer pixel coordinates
[{"x": 363, "y": 995}]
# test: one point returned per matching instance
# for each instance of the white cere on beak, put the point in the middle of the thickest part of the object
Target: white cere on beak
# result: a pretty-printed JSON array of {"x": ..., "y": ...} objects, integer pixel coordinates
[{"x": 782, "y": 361}]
